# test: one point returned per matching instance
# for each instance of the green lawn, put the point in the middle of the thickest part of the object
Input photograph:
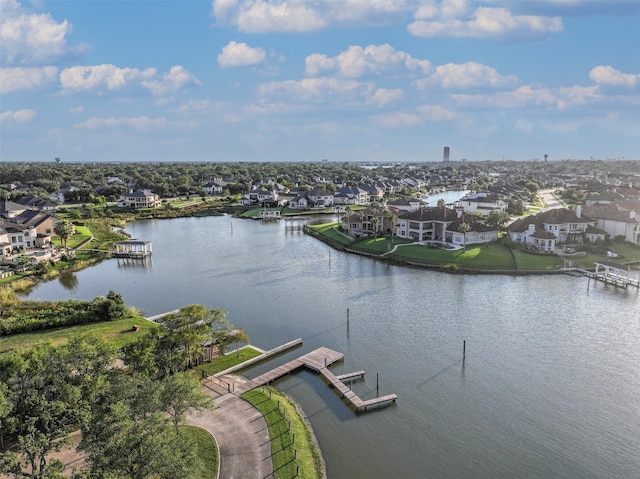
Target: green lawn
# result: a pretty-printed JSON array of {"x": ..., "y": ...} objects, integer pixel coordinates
[
  {"x": 119, "y": 333},
  {"x": 206, "y": 450},
  {"x": 329, "y": 230},
  {"x": 284, "y": 438},
  {"x": 530, "y": 261},
  {"x": 228, "y": 360},
  {"x": 490, "y": 256}
]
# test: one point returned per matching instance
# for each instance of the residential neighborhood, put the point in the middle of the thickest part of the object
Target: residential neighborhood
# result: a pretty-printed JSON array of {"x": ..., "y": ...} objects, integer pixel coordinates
[{"x": 597, "y": 202}]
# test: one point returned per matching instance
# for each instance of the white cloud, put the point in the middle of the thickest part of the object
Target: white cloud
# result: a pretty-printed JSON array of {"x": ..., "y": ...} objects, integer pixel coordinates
[
  {"x": 264, "y": 16},
  {"x": 109, "y": 78},
  {"x": 319, "y": 89},
  {"x": 383, "y": 97},
  {"x": 435, "y": 20},
  {"x": 436, "y": 113},
  {"x": 467, "y": 75},
  {"x": 397, "y": 119},
  {"x": 194, "y": 106},
  {"x": 560, "y": 98},
  {"x": 177, "y": 79},
  {"x": 33, "y": 39},
  {"x": 610, "y": 76},
  {"x": 371, "y": 60},
  {"x": 76, "y": 109},
  {"x": 19, "y": 116},
  {"x": 236, "y": 54},
  {"x": 26, "y": 79},
  {"x": 135, "y": 123},
  {"x": 260, "y": 16}
]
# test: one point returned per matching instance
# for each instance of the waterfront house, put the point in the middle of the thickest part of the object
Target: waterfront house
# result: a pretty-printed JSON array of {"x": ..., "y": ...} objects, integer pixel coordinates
[
  {"x": 316, "y": 198},
  {"x": 369, "y": 221},
  {"x": 619, "y": 219},
  {"x": 16, "y": 239},
  {"x": 139, "y": 199},
  {"x": 543, "y": 231},
  {"x": 443, "y": 225}
]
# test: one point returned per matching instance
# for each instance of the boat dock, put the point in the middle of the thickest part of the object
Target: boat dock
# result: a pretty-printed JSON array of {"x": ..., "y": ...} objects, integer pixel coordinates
[
  {"x": 615, "y": 274},
  {"x": 319, "y": 361}
]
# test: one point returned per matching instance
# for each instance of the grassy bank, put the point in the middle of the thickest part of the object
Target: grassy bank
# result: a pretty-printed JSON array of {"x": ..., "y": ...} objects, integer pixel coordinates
[
  {"x": 206, "y": 450},
  {"x": 293, "y": 446},
  {"x": 118, "y": 333},
  {"x": 479, "y": 258}
]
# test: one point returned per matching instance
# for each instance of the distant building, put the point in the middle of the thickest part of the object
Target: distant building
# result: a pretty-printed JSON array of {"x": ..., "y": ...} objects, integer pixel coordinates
[{"x": 445, "y": 155}]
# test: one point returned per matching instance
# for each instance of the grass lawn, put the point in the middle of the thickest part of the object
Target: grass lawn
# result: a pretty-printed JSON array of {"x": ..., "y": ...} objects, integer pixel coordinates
[
  {"x": 206, "y": 451},
  {"x": 489, "y": 257},
  {"x": 308, "y": 458},
  {"x": 228, "y": 360},
  {"x": 329, "y": 230},
  {"x": 119, "y": 333},
  {"x": 530, "y": 261}
]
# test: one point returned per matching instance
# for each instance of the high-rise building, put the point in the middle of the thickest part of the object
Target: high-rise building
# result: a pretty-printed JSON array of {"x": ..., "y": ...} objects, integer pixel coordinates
[{"x": 445, "y": 155}]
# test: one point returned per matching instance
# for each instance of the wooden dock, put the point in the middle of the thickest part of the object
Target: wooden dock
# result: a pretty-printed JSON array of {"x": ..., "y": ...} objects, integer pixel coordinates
[{"x": 318, "y": 361}]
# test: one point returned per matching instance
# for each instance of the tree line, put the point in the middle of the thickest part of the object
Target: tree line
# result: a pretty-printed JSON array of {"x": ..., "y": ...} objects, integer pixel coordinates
[{"x": 128, "y": 405}]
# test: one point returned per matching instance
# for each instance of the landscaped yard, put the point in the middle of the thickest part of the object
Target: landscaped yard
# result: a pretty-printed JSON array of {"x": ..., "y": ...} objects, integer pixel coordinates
[
  {"x": 227, "y": 361},
  {"x": 118, "y": 333},
  {"x": 490, "y": 256}
]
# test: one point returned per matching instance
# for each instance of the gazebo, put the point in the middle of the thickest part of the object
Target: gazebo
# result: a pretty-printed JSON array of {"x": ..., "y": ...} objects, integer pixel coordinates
[{"x": 133, "y": 249}]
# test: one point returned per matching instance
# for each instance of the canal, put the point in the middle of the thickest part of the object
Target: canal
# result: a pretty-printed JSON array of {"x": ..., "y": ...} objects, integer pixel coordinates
[{"x": 548, "y": 387}]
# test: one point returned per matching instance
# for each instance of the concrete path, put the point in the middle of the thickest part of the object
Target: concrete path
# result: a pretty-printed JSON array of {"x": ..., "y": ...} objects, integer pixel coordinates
[{"x": 241, "y": 434}]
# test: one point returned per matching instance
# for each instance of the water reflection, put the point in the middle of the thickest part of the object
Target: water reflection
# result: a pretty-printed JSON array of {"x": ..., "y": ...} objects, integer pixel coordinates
[{"x": 69, "y": 281}]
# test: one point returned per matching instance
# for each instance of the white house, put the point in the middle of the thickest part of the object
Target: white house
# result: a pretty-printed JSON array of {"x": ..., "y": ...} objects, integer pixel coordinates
[
  {"x": 482, "y": 203},
  {"x": 443, "y": 225},
  {"x": 16, "y": 239},
  {"x": 139, "y": 199},
  {"x": 544, "y": 230},
  {"x": 617, "y": 220},
  {"x": 315, "y": 198}
]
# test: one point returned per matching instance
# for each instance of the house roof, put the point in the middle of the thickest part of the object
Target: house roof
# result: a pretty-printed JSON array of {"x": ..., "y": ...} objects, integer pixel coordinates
[
  {"x": 140, "y": 194},
  {"x": 613, "y": 212}
]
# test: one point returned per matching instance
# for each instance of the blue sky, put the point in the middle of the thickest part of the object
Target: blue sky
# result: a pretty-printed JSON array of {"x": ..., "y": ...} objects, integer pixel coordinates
[{"x": 304, "y": 80}]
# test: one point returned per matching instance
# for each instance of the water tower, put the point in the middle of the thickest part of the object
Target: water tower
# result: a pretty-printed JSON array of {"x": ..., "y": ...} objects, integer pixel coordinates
[{"x": 545, "y": 157}]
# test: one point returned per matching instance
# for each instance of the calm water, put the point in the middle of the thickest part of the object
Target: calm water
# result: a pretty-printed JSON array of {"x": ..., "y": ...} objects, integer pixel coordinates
[{"x": 550, "y": 387}]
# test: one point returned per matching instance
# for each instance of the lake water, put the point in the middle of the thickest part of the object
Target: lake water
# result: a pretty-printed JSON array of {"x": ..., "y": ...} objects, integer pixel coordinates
[{"x": 549, "y": 388}]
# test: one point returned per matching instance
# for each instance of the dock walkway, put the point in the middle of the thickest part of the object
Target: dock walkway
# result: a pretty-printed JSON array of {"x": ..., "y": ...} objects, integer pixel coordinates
[{"x": 318, "y": 361}]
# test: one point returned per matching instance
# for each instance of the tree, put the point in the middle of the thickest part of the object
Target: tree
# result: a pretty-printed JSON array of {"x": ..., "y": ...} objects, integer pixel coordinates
[
  {"x": 49, "y": 392},
  {"x": 190, "y": 327},
  {"x": 64, "y": 229},
  {"x": 181, "y": 393},
  {"x": 497, "y": 219},
  {"x": 464, "y": 228},
  {"x": 129, "y": 435}
]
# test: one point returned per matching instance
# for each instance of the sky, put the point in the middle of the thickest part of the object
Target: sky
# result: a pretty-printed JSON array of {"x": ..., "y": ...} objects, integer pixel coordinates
[{"x": 307, "y": 80}]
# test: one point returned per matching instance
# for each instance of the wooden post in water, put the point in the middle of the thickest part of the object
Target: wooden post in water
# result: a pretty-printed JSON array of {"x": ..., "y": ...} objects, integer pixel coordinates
[
  {"x": 464, "y": 348},
  {"x": 347, "y": 319},
  {"x": 377, "y": 383}
]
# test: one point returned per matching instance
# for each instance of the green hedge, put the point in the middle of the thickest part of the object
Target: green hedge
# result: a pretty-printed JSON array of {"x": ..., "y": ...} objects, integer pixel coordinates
[{"x": 63, "y": 313}]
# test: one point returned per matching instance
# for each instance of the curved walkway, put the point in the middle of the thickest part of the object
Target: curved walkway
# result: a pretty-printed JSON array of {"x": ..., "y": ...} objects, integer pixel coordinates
[{"x": 241, "y": 434}]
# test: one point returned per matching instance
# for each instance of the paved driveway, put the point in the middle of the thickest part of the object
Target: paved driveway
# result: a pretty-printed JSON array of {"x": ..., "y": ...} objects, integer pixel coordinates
[{"x": 242, "y": 436}]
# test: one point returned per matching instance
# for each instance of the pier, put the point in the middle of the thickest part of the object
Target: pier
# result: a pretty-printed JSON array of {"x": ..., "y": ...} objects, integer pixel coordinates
[
  {"x": 615, "y": 274},
  {"x": 317, "y": 361}
]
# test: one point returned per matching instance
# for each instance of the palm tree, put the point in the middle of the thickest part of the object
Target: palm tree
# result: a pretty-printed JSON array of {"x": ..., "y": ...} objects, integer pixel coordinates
[
  {"x": 464, "y": 228},
  {"x": 64, "y": 229},
  {"x": 442, "y": 203}
]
